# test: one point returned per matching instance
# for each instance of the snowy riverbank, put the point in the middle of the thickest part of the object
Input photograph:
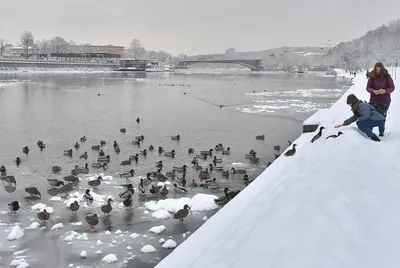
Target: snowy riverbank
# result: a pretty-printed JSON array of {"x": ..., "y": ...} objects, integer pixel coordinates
[{"x": 333, "y": 204}]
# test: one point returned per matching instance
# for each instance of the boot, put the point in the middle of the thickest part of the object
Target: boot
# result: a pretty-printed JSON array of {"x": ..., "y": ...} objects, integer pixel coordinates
[{"x": 375, "y": 138}]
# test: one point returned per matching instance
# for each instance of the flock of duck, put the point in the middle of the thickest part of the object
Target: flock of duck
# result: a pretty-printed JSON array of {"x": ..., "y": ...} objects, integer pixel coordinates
[{"x": 148, "y": 184}]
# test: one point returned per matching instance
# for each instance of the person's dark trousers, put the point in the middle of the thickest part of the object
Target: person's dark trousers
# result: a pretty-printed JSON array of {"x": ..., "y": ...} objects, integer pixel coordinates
[
  {"x": 368, "y": 125},
  {"x": 384, "y": 115}
]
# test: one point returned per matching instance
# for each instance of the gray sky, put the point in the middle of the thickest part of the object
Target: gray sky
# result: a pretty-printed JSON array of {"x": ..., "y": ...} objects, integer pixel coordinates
[{"x": 195, "y": 27}]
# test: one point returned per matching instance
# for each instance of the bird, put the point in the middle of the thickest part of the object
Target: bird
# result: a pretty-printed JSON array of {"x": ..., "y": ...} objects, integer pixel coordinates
[
  {"x": 56, "y": 169},
  {"x": 217, "y": 160},
  {"x": 178, "y": 189},
  {"x": 138, "y": 120},
  {"x": 83, "y": 139},
  {"x": 193, "y": 184},
  {"x": 18, "y": 161},
  {"x": 128, "y": 202},
  {"x": 55, "y": 183},
  {"x": 171, "y": 174},
  {"x": 96, "y": 147},
  {"x": 147, "y": 180},
  {"x": 102, "y": 143},
  {"x": 74, "y": 206},
  {"x": 115, "y": 145},
  {"x": 127, "y": 175},
  {"x": 122, "y": 130},
  {"x": 3, "y": 169},
  {"x": 43, "y": 216},
  {"x": 151, "y": 148},
  {"x": 238, "y": 171},
  {"x": 260, "y": 137},
  {"x": 209, "y": 152},
  {"x": 130, "y": 191},
  {"x": 106, "y": 209},
  {"x": 141, "y": 187},
  {"x": 101, "y": 153},
  {"x": 10, "y": 180},
  {"x": 182, "y": 213},
  {"x": 292, "y": 151},
  {"x": 182, "y": 180},
  {"x": 154, "y": 189},
  {"x": 71, "y": 179},
  {"x": 227, "y": 151},
  {"x": 319, "y": 134},
  {"x": 25, "y": 150},
  {"x": 160, "y": 149},
  {"x": 33, "y": 191},
  {"x": 277, "y": 148},
  {"x": 13, "y": 207},
  {"x": 104, "y": 159},
  {"x": 139, "y": 138},
  {"x": 223, "y": 199},
  {"x": 136, "y": 142},
  {"x": 68, "y": 152},
  {"x": 144, "y": 152},
  {"x": 159, "y": 164},
  {"x": 126, "y": 162},
  {"x": 66, "y": 188},
  {"x": 335, "y": 136},
  {"x": 180, "y": 169},
  {"x": 88, "y": 197},
  {"x": 117, "y": 149},
  {"x": 77, "y": 146},
  {"x": 225, "y": 173},
  {"x": 219, "y": 147},
  {"x": 164, "y": 191},
  {"x": 159, "y": 176},
  {"x": 176, "y": 138},
  {"x": 96, "y": 182},
  {"x": 84, "y": 156},
  {"x": 170, "y": 154},
  {"x": 92, "y": 220},
  {"x": 41, "y": 145}
]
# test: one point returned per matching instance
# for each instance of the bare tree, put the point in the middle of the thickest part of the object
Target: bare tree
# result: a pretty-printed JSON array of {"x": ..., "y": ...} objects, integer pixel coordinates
[
  {"x": 27, "y": 40},
  {"x": 137, "y": 48},
  {"x": 44, "y": 47},
  {"x": 59, "y": 45},
  {"x": 2, "y": 44}
]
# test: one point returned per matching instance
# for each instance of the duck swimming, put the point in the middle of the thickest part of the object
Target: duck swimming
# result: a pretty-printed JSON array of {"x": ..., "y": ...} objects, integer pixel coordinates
[
  {"x": 219, "y": 147},
  {"x": 101, "y": 152},
  {"x": 319, "y": 134},
  {"x": 141, "y": 188},
  {"x": 92, "y": 220},
  {"x": 159, "y": 176},
  {"x": 171, "y": 174},
  {"x": 154, "y": 189},
  {"x": 221, "y": 201},
  {"x": 104, "y": 159},
  {"x": 160, "y": 149},
  {"x": 238, "y": 171},
  {"x": 136, "y": 142},
  {"x": 182, "y": 213},
  {"x": 147, "y": 180},
  {"x": 170, "y": 154},
  {"x": 204, "y": 175},
  {"x": 115, "y": 144},
  {"x": 33, "y": 191},
  {"x": 178, "y": 189},
  {"x": 18, "y": 161},
  {"x": 180, "y": 169},
  {"x": 106, "y": 209},
  {"x": 71, "y": 179},
  {"x": 127, "y": 175},
  {"x": 194, "y": 161},
  {"x": 55, "y": 183},
  {"x": 41, "y": 145},
  {"x": 277, "y": 148},
  {"x": 292, "y": 151},
  {"x": 130, "y": 191},
  {"x": 13, "y": 207},
  {"x": 122, "y": 130},
  {"x": 88, "y": 197},
  {"x": 217, "y": 160},
  {"x": 3, "y": 169},
  {"x": 176, "y": 138},
  {"x": 56, "y": 169},
  {"x": 84, "y": 156},
  {"x": 135, "y": 158},
  {"x": 10, "y": 180},
  {"x": 144, "y": 152},
  {"x": 77, "y": 146},
  {"x": 193, "y": 184},
  {"x": 227, "y": 151},
  {"x": 182, "y": 180},
  {"x": 260, "y": 137},
  {"x": 138, "y": 120},
  {"x": 100, "y": 165},
  {"x": 74, "y": 206},
  {"x": 25, "y": 150},
  {"x": 96, "y": 147},
  {"x": 139, "y": 138},
  {"x": 126, "y": 162},
  {"x": 96, "y": 182},
  {"x": 225, "y": 173},
  {"x": 159, "y": 164},
  {"x": 151, "y": 148},
  {"x": 128, "y": 202},
  {"x": 209, "y": 152},
  {"x": 43, "y": 216},
  {"x": 117, "y": 150},
  {"x": 68, "y": 152},
  {"x": 191, "y": 151},
  {"x": 83, "y": 139},
  {"x": 102, "y": 143},
  {"x": 335, "y": 136}
]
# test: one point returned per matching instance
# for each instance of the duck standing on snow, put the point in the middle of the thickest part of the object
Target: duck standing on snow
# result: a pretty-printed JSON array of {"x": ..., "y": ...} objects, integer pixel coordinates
[
  {"x": 319, "y": 134},
  {"x": 182, "y": 213},
  {"x": 130, "y": 191},
  {"x": 106, "y": 209},
  {"x": 33, "y": 191},
  {"x": 180, "y": 190},
  {"x": 292, "y": 151},
  {"x": 25, "y": 150},
  {"x": 88, "y": 197},
  {"x": 74, "y": 206},
  {"x": 96, "y": 182},
  {"x": 335, "y": 136},
  {"x": 43, "y": 216},
  {"x": 92, "y": 220},
  {"x": 127, "y": 175},
  {"x": 128, "y": 202},
  {"x": 13, "y": 207}
]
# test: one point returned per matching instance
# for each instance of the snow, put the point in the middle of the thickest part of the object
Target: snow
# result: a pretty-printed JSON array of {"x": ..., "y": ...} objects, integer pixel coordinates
[
  {"x": 148, "y": 249},
  {"x": 16, "y": 233},
  {"x": 78, "y": 223},
  {"x": 16, "y": 253},
  {"x": 317, "y": 117},
  {"x": 98, "y": 252},
  {"x": 56, "y": 199},
  {"x": 83, "y": 254},
  {"x": 333, "y": 204},
  {"x": 162, "y": 240},
  {"x": 57, "y": 226},
  {"x": 134, "y": 235},
  {"x": 110, "y": 258},
  {"x": 146, "y": 212},
  {"x": 33, "y": 225},
  {"x": 107, "y": 233},
  {"x": 41, "y": 207},
  {"x": 98, "y": 200},
  {"x": 205, "y": 218},
  {"x": 169, "y": 244},
  {"x": 128, "y": 248},
  {"x": 157, "y": 229},
  {"x": 198, "y": 203},
  {"x": 98, "y": 242},
  {"x": 118, "y": 232},
  {"x": 161, "y": 214},
  {"x": 21, "y": 263},
  {"x": 74, "y": 235}
]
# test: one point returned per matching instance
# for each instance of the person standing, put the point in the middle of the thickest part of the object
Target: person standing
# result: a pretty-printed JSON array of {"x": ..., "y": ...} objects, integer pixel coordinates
[{"x": 380, "y": 85}]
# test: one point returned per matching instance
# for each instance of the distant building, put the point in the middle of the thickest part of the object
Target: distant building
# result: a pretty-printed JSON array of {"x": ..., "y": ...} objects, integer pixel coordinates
[
  {"x": 20, "y": 51},
  {"x": 108, "y": 51}
]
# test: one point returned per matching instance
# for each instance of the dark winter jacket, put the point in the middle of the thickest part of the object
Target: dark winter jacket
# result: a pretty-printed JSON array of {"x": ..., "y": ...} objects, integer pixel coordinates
[
  {"x": 363, "y": 111},
  {"x": 378, "y": 82}
]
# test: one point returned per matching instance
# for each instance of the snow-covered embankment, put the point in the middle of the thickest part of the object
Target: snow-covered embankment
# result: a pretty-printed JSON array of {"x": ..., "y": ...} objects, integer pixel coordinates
[{"x": 335, "y": 203}]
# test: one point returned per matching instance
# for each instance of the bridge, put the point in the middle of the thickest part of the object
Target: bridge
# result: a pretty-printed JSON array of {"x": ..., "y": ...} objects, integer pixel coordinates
[{"x": 254, "y": 65}]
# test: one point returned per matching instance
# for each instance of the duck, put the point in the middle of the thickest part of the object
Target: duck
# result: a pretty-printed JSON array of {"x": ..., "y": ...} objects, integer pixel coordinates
[
  {"x": 221, "y": 201},
  {"x": 96, "y": 147},
  {"x": 260, "y": 137},
  {"x": 255, "y": 160},
  {"x": 106, "y": 209},
  {"x": 154, "y": 189},
  {"x": 136, "y": 142},
  {"x": 197, "y": 167},
  {"x": 217, "y": 160},
  {"x": 141, "y": 187},
  {"x": 181, "y": 180},
  {"x": 194, "y": 161},
  {"x": 159, "y": 176},
  {"x": 77, "y": 146},
  {"x": 96, "y": 182},
  {"x": 219, "y": 147},
  {"x": 159, "y": 164},
  {"x": 211, "y": 186},
  {"x": 170, "y": 154},
  {"x": 335, "y": 136},
  {"x": 180, "y": 169},
  {"x": 92, "y": 220},
  {"x": 164, "y": 191},
  {"x": 178, "y": 189},
  {"x": 191, "y": 151},
  {"x": 250, "y": 156},
  {"x": 84, "y": 156},
  {"x": 126, "y": 162},
  {"x": 68, "y": 152},
  {"x": 147, "y": 181},
  {"x": 318, "y": 135},
  {"x": 88, "y": 197},
  {"x": 216, "y": 168},
  {"x": 209, "y": 152},
  {"x": 204, "y": 175},
  {"x": 55, "y": 183},
  {"x": 25, "y": 150},
  {"x": 225, "y": 173},
  {"x": 139, "y": 138},
  {"x": 138, "y": 120},
  {"x": 202, "y": 156},
  {"x": 128, "y": 202},
  {"x": 176, "y": 138},
  {"x": 115, "y": 145},
  {"x": 18, "y": 161},
  {"x": 102, "y": 143},
  {"x": 74, "y": 207},
  {"x": 66, "y": 188},
  {"x": 182, "y": 213},
  {"x": 171, "y": 174},
  {"x": 277, "y": 148},
  {"x": 71, "y": 179},
  {"x": 277, "y": 156},
  {"x": 10, "y": 180},
  {"x": 227, "y": 151},
  {"x": 104, "y": 159},
  {"x": 80, "y": 170},
  {"x": 41, "y": 145},
  {"x": 269, "y": 163},
  {"x": 83, "y": 139},
  {"x": 101, "y": 152},
  {"x": 129, "y": 191},
  {"x": 151, "y": 148},
  {"x": 160, "y": 150},
  {"x": 33, "y": 191},
  {"x": 292, "y": 151},
  {"x": 193, "y": 184},
  {"x": 127, "y": 175},
  {"x": 13, "y": 207},
  {"x": 122, "y": 130},
  {"x": 43, "y": 216},
  {"x": 100, "y": 165},
  {"x": 144, "y": 152},
  {"x": 238, "y": 171},
  {"x": 117, "y": 150}
]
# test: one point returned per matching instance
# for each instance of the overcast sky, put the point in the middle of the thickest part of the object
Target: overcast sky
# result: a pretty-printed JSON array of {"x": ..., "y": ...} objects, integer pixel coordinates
[{"x": 195, "y": 27}]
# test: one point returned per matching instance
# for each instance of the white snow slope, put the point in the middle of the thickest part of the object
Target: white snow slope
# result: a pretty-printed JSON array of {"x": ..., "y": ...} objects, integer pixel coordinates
[{"x": 335, "y": 203}]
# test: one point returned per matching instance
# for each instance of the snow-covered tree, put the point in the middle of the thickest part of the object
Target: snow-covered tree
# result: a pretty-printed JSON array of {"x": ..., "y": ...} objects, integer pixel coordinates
[{"x": 27, "y": 41}]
